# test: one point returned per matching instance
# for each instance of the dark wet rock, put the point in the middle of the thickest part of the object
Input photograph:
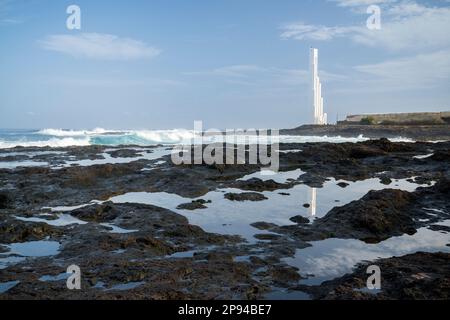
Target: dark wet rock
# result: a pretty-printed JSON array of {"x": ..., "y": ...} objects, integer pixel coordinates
[
  {"x": 90, "y": 176},
  {"x": 376, "y": 216},
  {"x": 93, "y": 152},
  {"x": 284, "y": 194},
  {"x": 194, "y": 205},
  {"x": 283, "y": 275},
  {"x": 256, "y": 184},
  {"x": 161, "y": 279},
  {"x": 245, "y": 196},
  {"x": 263, "y": 225},
  {"x": 13, "y": 231},
  {"x": 361, "y": 152},
  {"x": 313, "y": 180},
  {"x": 419, "y": 276},
  {"x": 437, "y": 227},
  {"x": 386, "y": 180},
  {"x": 219, "y": 256},
  {"x": 13, "y": 158},
  {"x": 125, "y": 153},
  {"x": 267, "y": 236},
  {"x": 443, "y": 155},
  {"x": 97, "y": 213},
  {"x": 4, "y": 200},
  {"x": 387, "y": 146},
  {"x": 306, "y": 205},
  {"x": 299, "y": 220},
  {"x": 148, "y": 243},
  {"x": 423, "y": 180},
  {"x": 343, "y": 184}
]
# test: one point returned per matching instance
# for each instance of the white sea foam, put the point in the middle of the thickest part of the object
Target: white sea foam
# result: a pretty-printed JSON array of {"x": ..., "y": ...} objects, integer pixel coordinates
[
  {"x": 71, "y": 133},
  {"x": 166, "y": 136},
  {"x": 53, "y": 143}
]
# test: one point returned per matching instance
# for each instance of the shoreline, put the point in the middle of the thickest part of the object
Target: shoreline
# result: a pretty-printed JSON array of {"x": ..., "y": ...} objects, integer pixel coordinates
[
  {"x": 147, "y": 229},
  {"x": 415, "y": 132}
]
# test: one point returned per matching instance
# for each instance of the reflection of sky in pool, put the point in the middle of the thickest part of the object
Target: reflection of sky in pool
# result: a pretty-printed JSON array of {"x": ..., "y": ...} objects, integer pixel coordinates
[
  {"x": 232, "y": 217},
  {"x": 330, "y": 258},
  {"x": 6, "y": 286},
  {"x": 18, "y": 251},
  {"x": 61, "y": 221}
]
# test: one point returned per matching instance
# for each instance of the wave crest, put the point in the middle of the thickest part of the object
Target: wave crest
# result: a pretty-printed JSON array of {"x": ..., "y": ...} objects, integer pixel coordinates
[
  {"x": 71, "y": 133},
  {"x": 52, "y": 143}
]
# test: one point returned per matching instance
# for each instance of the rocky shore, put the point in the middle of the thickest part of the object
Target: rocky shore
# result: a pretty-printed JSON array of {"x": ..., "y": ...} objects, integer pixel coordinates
[
  {"x": 87, "y": 202},
  {"x": 414, "y": 132}
]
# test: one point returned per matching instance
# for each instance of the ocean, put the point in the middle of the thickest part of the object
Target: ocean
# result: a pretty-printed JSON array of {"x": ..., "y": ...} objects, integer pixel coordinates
[{"x": 58, "y": 138}]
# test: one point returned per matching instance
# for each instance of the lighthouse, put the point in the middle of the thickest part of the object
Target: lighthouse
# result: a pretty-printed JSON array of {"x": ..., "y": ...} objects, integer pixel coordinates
[{"x": 320, "y": 118}]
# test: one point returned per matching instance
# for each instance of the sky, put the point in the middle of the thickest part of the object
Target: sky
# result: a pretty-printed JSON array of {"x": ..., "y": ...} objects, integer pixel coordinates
[{"x": 162, "y": 64}]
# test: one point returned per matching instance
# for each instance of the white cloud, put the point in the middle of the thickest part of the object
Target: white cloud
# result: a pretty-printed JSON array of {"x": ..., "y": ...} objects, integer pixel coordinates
[
  {"x": 411, "y": 27},
  {"x": 406, "y": 25},
  {"x": 111, "y": 82},
  {"x": 264, "y": 76},
  {"x": 302, "y": 31},
  {"x": 235, "y": 71},
  {"x": 414, "y": 72},
  {"x": 99, "y": 46}
]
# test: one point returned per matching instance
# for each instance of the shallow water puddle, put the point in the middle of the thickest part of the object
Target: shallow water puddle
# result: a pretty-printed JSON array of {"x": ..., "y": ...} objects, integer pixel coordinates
[
  {"x": 125, "y": 286},
  {"x": 233, "y": 217},
  {"x": 155, "y": 153},
  {"x": 332, "y": 258},
  {"x": 25, "y": 163},
  {"x": 142, "y": 154},
  {"x": 66, "y": 220},
  {"x": 30, "y": 154},
  {"x": 71, "y": 208},
  {"x": 115, "y": 229},
  {"x": 290, "y": 151},
  {"x": 62, "y": 220},
  {"x": 19, "y": 251},
  {"x": 6, "y": 286},
  {"x": 59, "y": 277},
  {"x": 34, "y": 248},
  {"x": 279, "y": 177}
]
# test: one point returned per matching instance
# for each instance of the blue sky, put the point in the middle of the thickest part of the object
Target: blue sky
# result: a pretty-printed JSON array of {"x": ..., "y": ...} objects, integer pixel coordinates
[{"x": 161, "y": 64}]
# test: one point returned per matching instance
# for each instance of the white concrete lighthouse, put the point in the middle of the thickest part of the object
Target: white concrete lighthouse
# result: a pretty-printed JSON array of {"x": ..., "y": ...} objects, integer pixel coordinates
[{"x": 320, "y": 118}]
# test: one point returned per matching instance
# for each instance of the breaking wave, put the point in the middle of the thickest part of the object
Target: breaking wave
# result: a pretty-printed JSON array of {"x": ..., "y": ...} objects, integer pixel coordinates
[
  {"x": 52, "y": 143},
  {"x": 65, "y": 138},
  {"x": 70, "y": 133}
]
